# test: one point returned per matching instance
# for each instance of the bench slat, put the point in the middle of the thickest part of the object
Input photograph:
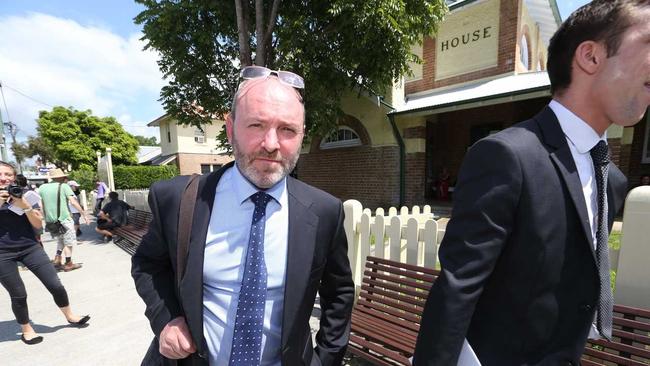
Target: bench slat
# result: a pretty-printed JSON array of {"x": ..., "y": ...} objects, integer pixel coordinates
[
  {"x": 612, "y": 357},
  {"x": 381, "y": 350}
]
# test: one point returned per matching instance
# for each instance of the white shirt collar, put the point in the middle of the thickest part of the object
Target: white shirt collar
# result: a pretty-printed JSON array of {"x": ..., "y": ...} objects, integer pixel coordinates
[
  {"x": 583, "y": 137},
  {"x": 244, "y": 188}
]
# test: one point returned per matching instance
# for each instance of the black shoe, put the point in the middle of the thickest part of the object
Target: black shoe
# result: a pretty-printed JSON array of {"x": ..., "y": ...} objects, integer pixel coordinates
[
  {"x": 81, "y": 321},
  {"x": 35, "y": 340}
]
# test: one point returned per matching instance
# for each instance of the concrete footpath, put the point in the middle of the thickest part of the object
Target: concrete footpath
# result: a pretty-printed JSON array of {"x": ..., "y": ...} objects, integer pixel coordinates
[{"x": 118, "y": 332}]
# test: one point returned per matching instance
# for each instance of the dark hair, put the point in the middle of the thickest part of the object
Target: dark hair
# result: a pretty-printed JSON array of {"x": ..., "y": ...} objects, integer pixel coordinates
[
  {"x": 600, "y": 21},
  {"x": 113, "y": 195},
  {"x": 21, "y": 180}
]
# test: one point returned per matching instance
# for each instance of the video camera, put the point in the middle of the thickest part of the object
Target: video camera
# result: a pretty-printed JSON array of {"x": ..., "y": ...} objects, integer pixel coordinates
[{"x": 15, "y": 190}]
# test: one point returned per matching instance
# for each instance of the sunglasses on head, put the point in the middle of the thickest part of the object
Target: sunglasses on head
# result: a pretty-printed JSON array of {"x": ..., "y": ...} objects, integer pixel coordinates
[{"x": 286, "y": 77}]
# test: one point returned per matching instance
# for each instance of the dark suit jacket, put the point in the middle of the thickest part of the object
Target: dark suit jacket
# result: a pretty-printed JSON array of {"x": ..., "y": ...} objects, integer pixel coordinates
[
  {"x": 316, "y": 261},
  {"x": 519, "y": 275}
]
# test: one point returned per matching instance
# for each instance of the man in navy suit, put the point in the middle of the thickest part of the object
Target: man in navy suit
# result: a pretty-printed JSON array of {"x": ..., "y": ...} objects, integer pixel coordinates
[
  {"x": 524, "y": 259},
  {"x": 246, "y": 276}
]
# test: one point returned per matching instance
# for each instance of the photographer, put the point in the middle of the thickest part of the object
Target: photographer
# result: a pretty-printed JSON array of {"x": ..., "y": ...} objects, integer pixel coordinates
[{"x": 18, "y": 221}]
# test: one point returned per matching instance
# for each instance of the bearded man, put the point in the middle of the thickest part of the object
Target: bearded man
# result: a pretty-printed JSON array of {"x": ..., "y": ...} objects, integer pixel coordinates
[{"x": 262, "y": 244}]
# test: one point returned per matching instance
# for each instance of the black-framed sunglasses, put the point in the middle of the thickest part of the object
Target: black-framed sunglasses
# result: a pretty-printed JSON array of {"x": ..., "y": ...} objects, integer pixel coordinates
[{"x": 286, "y": 77}]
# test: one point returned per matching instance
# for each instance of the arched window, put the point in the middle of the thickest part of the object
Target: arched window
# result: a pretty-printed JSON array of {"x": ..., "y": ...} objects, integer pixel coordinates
[
  {"x": 343, "y": 137},
  {"x": 523, "y": 52}
]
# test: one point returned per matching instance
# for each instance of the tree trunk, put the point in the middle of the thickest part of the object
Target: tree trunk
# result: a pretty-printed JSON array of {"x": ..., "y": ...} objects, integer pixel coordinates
[
  {"x": 242, "y": 28},
  {"x": 260, "y": 52},
  {"x": 266, "y": 40}
]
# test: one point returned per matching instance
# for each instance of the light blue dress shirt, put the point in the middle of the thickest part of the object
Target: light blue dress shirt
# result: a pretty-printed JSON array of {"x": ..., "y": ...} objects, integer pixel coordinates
[{"x": 224, "y": 259}]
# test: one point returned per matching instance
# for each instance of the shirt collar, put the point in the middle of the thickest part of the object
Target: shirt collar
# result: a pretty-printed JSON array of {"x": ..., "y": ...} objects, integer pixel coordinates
[
  {"x": 244, "y": 188},
  {"x": 583, "y": 137}
]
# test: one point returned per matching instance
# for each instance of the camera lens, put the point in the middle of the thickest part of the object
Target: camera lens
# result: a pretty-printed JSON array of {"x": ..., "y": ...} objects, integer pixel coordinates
[{"x": 15, "y": 190}]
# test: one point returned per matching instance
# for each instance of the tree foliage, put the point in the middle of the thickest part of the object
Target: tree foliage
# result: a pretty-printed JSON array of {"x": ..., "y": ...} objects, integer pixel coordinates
[
  {"x": 34, "y": 146},
  {"x": 75, "y": 136},
  {"x": 21, "y": 151},
  {"x": 146, "y": 141},
  {"x": 336, "y": 45}
]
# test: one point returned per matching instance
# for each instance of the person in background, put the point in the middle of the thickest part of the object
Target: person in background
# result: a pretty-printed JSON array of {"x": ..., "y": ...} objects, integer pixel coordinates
[
  {"x": 19, "y": 219},
  {"x": 76, "y": 215},
  {"x": 102, "y": 191},
  {"x": 58, "y": 194},
  {"x": 645, "y": 180},
  {"x": 112, "y": 215}
]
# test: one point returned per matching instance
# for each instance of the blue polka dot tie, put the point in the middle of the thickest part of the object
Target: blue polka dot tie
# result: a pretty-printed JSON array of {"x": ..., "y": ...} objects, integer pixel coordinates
[
  {"x": 600, "y": 158},
  {"x": 249, "y": 322}
]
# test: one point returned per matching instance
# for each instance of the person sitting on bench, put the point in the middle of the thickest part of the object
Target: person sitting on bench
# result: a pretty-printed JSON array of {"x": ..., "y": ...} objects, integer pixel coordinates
[{"x": 112, "y": 215}]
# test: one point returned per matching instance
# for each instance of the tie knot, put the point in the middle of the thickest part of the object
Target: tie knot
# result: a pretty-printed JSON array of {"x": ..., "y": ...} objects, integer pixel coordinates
[
  {"x": 600, "y": 153},
  {"x": 260, "y": 199}
]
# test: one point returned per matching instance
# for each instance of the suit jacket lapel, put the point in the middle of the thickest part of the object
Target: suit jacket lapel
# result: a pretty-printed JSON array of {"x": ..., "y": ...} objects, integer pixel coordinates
[
  {"x": 192, "y": 283},
  {"x": 561, "y": 156},
  {"x": 301, "y": 242}
]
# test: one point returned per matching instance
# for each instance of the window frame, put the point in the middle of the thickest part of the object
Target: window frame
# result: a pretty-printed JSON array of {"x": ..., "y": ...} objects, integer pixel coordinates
[
  {"x": 199, "y": 136},
  {"x": 324, "y": 144},
  {"x": 524, "y": 53}
]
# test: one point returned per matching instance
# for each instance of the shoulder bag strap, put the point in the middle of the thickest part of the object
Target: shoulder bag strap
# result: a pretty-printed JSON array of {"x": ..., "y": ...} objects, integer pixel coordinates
[
  {"x": 58, "y": 203},
  {"x": 185, "y": 216}
]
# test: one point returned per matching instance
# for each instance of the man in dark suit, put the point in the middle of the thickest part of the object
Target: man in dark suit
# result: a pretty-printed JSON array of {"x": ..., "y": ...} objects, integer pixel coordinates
[
  {"x": 525, "y": 269},
  {"x": 262, "y": 244}
]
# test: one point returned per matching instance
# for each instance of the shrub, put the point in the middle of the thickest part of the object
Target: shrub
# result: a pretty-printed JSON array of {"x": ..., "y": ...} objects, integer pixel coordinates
[
  {"x": 85, "y": 176},
  {"x": 141, "y": 177}
]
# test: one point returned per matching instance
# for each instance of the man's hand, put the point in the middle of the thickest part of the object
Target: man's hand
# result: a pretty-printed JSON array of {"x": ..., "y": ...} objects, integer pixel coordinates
[{"x": 175, "y": 340}]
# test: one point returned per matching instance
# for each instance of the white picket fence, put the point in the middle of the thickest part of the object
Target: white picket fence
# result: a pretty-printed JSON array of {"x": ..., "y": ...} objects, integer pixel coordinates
[{"x": 407, "y": 236}]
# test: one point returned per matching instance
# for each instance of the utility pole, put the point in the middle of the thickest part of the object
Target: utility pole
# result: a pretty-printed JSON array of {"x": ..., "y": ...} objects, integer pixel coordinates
[
  {"x": 13, "y": 131},
  {"x": 3, "y": 139}
]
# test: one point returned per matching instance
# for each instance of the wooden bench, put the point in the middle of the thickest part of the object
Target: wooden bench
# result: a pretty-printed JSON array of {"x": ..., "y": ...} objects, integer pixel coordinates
[
  {"x": 386, "y": 318},
  {"x": 630, "y": 343},
  {"x": 128, "y": 237}
]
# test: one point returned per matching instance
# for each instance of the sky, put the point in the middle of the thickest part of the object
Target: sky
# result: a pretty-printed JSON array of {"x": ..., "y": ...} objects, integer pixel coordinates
[{"x": 88, "y": 55}]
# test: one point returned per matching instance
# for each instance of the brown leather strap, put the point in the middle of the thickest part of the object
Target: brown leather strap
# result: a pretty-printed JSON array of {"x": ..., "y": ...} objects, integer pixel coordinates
[{"x": 185, "y": 215}]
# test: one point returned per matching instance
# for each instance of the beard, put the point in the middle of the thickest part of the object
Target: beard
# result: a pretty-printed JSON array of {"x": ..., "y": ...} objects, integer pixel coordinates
[{"x": 264, "y": 178}]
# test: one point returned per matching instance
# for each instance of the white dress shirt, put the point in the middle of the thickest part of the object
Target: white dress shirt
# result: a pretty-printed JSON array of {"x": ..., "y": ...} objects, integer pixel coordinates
[
  {"x": 581, "y": 139},
  {"x": 224, "y": 261}
]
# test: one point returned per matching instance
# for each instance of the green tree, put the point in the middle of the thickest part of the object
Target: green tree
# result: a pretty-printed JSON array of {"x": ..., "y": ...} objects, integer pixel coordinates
[
  {"x": 336, "y": 45},
  {"x": 38, "y": 146},
  {"x": 21, "y": 152},
  {"x": 146, "y": 141},
  {"x": 75, "y": 136}
]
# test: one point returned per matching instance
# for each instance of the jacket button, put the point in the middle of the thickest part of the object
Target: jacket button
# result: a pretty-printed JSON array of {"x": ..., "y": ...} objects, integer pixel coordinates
[
  {"x": 585, "y": 307},
  {"x": 202, "y": 354}
]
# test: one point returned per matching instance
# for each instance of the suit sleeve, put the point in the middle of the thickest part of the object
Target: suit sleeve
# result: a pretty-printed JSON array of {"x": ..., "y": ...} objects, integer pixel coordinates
[
  {"x": 153, "y": 273},
  {"x": 485, "y": 202},
  {"x": 336, "y": 299}
]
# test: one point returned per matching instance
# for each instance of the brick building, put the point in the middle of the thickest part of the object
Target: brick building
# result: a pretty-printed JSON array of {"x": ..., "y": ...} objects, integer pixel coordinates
[
  {"x": 192, "y": 149},
  {"x": 482, "y": 72}
]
